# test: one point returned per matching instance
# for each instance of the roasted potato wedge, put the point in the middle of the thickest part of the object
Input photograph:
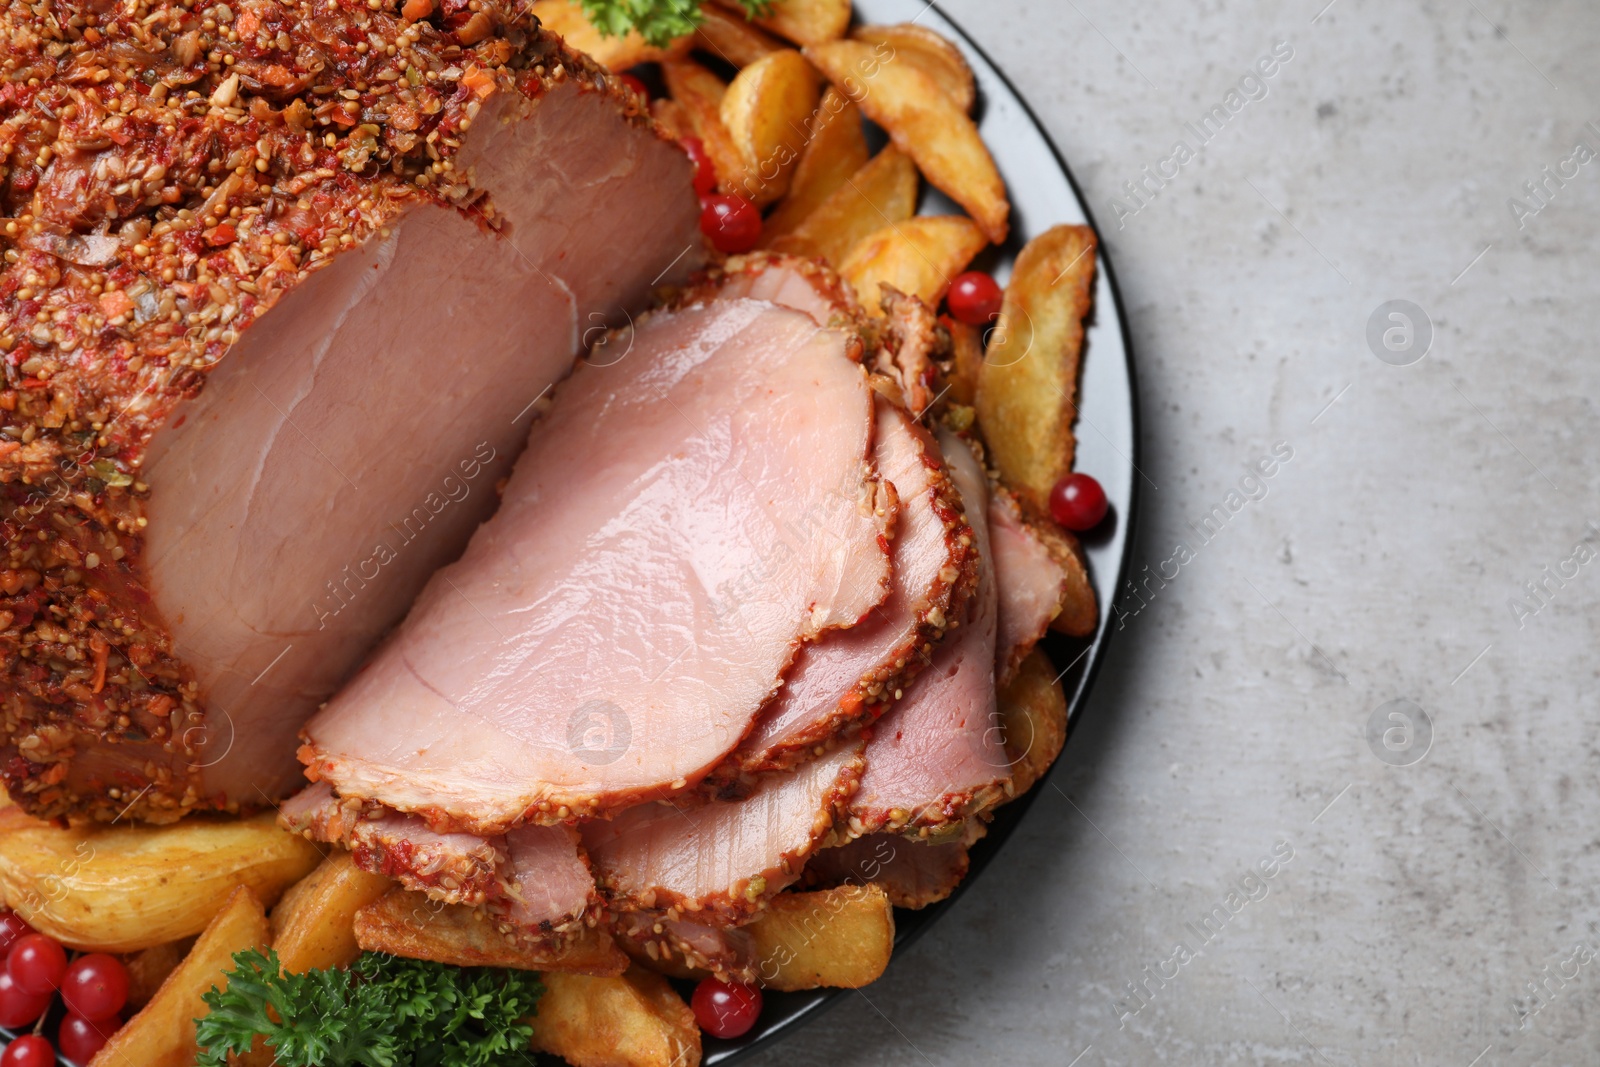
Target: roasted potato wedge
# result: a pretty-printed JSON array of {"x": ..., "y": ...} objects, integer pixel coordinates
[
  {"x": 926, "y": 50},
  {"x": 919, "y": 257},
  {"x": 1029, "y": 378},
  {"x": 836, "y": 149},
  {"x": 924, "y": 123},
  {"x": 630, "y": 1020},
  {"x": 313, "y": 926},
  {"x": 126, "y": 888},
  {"x": 880, "y": 194},
  {"x": 733, "y": 38},
  {"x": 840, "y": 938},
  {"x": 802, "y": 21},
  {"x": 700, "y": 94},
  {"x": 162, "y": 1034},
  {"x": 966, "y": 356},
  {"x": 566, "y": 18},
  {"x": 766, "y": 110},
  {"x": 1080, "y": 611},
  {"x": 672, "y": 117},
  {"x": 148, "y": 968},
  {"x": 404, "y": 923},
  {"x": 1033, "y": 715}
]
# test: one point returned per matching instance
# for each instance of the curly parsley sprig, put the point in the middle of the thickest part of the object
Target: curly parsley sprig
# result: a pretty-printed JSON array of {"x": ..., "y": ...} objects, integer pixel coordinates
[
  {"x": 658, "y": 21},
  {"x": 384, "y": 1011}
]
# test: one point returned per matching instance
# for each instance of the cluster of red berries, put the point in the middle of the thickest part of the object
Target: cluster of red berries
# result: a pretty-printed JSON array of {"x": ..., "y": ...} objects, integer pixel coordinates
[{"x": 94, "y": 989}]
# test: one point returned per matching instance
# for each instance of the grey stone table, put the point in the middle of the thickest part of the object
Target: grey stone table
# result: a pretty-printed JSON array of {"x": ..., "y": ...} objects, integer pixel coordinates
[{"x": 1432, "y": 540}]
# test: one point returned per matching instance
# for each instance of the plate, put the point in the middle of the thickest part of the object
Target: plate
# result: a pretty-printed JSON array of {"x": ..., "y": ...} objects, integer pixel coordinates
[{"x": 1043, "y": 194}]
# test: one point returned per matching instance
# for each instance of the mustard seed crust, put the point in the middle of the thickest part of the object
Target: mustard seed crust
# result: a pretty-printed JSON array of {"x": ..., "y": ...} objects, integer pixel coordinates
[{"x": 168, "y": 172}]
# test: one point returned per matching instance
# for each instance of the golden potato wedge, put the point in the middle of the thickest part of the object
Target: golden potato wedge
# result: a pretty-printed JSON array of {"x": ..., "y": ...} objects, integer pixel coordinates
[
  {"x": 966, "y": 356},
  {"x": 148, "y": 968},
  {"x": 840, "y": 938},
  {"x": 630, "y": 1020},
  {"x": 802, "y": 21},
  {"x": 919, "y": 257},
  {"x": 126, "y": 888},
  {"x": 672, "y": 117},
  {"x": 732, "y": 38},
  {"x": 836, "y": 148},
  {"x": 923, "y": 122},
  {"x": 313, "y": 926},
  {"x": 880, "y": 194},
  {"x": 566, "y": 17},
  {"x": 1029, "y": 377},
  {"x": 404, "y": 923},
  {"x": 766, "y": 110},
  {"x": 934, "y": 55},
  {"x": 1080, "y": 611},
  {"x": 700, "y": 93},
  {"x": 1033, "y": 715},
  {"x": 162, "y": 1034}
]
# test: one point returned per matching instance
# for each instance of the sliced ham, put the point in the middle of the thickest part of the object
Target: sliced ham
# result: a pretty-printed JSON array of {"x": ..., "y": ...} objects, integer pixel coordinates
[
  {"x": 938, "y": 756},
  {"x": 803, "y": 284},
  {"x": 852, "y": 676},
  {"x": 681, "y": 946},
  {"x": 913, "y": 873},
  {"x": 1032, "y": 584},
  {"x": 683, "y": 520},
  {"x": 722, "y": 861},
  {"x": 533, "y": 881},
  {"x": 285, "y": 376}
]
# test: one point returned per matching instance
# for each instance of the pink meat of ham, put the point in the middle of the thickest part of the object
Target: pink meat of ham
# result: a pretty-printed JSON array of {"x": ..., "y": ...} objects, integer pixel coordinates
[{"x": 682, "y": 521}]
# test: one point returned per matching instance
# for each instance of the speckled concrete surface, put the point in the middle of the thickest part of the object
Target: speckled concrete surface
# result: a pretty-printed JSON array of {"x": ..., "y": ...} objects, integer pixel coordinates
[{"x": 1439, "y": 907}]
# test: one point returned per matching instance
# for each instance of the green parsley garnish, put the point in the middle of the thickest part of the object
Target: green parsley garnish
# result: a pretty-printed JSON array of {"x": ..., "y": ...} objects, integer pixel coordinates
[
  {"x": 658, "y": 21},
  {"x": 384, "y": 1011}
]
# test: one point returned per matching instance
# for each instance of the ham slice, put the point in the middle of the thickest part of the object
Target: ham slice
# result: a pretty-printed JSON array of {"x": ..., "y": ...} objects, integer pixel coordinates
[
  {"x": 684, "y": 519},
  {"x": 722, "y": 861},
  {"x": 913, "y": 873},
  {"x": 938, "y": 756},
  {"x": 298, "y": 310},
  {"x": 533, "y": 881},
  {"x": 1032, "y": 584},
  {"x": 852, "y": 676}
]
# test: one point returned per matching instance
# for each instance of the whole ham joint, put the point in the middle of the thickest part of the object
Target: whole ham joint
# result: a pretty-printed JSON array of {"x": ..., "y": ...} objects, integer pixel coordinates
[
  {"x": 270, "y": 334},
  {"x": 684, "y": 519}
]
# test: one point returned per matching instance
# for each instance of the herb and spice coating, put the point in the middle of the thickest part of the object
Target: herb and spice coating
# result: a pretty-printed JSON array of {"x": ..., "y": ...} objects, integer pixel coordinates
[{"x": 168, "y": 172}]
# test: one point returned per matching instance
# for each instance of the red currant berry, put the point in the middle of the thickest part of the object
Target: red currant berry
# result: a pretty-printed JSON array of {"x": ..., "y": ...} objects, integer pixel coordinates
[
  {"x": 80, "y": 1038},
  {"x": 19, "y": 1009},
  {"x": 11, "y": 929},
  {"x": 974, "y": 298},
  {"x": 37, "y": 964},
  {"x": 29, "y": 1051},
  {"x": 725, "y": 1009},
  {"x": 732, "y": 223},
  {"x": 632, "y": 81},
  {"x": 705, "y": 175},
  {"x": 96, "y": 986},
  {"x": 1077, "y": 502}
]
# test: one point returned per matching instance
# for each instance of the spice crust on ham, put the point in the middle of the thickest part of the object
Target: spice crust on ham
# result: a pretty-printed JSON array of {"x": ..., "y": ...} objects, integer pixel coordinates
[{"x": 169, "y": 173}]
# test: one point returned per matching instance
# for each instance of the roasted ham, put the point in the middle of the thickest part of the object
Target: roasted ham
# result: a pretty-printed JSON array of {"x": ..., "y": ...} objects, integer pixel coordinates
[
  {"x": 914, "y": 873},
  {"x": 722, "y": 861},
  {"x": 937, "y": 757},
  {"x": 1030, "y": 579},
  {"x": 272, "y": 332},
  {"x": 534, "y": 881},
  {"x": 854, "y": 675},
  {"x": 684, "y": 519}
]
